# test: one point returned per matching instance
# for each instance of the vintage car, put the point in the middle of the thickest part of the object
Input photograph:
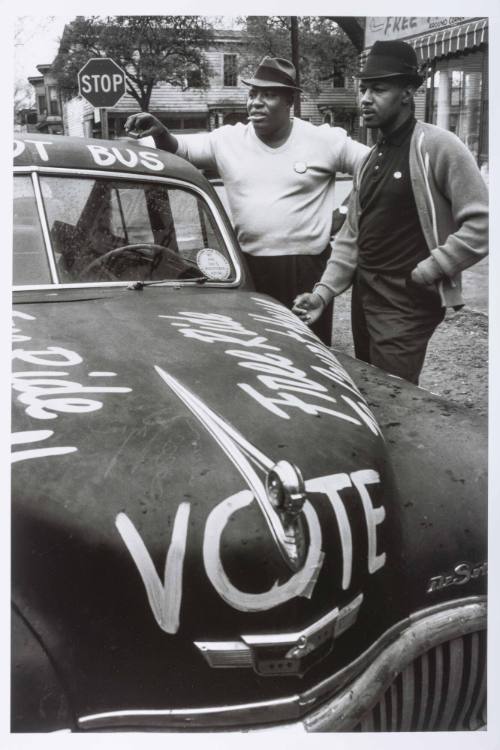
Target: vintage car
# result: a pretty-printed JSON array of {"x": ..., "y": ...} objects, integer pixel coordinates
[{"x": 211, "y": 531}]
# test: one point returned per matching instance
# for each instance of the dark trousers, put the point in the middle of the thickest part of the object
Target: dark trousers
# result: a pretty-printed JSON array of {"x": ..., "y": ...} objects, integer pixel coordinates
[
  {"x": 285, "y": 276},
  {"x": 392, "y": 322}
]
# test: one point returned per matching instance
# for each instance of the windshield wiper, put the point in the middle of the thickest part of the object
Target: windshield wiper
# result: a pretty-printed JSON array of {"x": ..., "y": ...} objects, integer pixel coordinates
[{"x": 138, "y": 285}]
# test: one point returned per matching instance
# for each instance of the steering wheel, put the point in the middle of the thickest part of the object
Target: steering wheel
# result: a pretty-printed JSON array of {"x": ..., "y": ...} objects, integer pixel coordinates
[{"x": 147, "y": 251}]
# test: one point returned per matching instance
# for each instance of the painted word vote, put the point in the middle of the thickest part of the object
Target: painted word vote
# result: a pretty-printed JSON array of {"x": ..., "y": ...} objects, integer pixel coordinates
[{"x": 165, "y": 597}]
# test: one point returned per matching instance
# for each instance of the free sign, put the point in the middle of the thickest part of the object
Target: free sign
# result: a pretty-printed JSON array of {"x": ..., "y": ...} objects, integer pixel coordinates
[{"x": 101, "y": 81}]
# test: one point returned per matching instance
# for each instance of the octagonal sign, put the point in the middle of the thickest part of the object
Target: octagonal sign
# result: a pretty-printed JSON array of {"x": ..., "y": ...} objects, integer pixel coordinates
[{"x": 101, "y": 82}]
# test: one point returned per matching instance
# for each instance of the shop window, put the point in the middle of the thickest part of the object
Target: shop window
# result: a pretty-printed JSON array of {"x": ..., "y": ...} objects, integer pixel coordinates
[
  {"x": 456, "y": 98},
  {"x": 230, "y": 70}
]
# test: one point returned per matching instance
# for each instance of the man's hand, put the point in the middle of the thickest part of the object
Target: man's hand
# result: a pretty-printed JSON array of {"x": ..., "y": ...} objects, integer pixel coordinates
[
  {"x": 308, "y": 307},
  {"x": 427, "y": 273},
  {"x": 418, "y": 278},
  {"x": 144, "y": 124}
]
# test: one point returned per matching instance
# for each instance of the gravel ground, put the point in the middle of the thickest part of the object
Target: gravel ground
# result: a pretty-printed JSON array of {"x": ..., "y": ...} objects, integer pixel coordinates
[{"x": 456, "y": 366}]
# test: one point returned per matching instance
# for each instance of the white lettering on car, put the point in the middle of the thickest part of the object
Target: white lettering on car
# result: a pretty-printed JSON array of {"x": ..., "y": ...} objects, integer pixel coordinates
[
  {"x": 127, "y": 157},
  {"x": 165, "y": 603},
  {"x": 45, "y": 393},
  {"x": 151, "y": 161},
  {"x": 101, "y": 155},
  {"x": 164, "y": 598},
  {"x": 373, "y": 516},
  {"x": 106, "y": 157},
  {"x": 278, "y": 373},
  {"x": 212, "y": 327},
  {"x": 251, "y": 463},
  {"x": 33, "y": 436},
  {"x": 298, "y": 585},
  {"x": 19, "y": 147}
]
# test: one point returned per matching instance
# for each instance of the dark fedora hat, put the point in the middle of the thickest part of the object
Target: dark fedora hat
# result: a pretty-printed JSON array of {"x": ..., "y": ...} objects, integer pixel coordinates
[
  {"x": 391, "y": 59},
  {"x": 276, "y": 73}
]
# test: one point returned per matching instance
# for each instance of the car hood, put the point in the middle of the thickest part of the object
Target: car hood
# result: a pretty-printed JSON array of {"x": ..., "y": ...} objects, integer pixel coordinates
[{"x": 144, "y": 427}]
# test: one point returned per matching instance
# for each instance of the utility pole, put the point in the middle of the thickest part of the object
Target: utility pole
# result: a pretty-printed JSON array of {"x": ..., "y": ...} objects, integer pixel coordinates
[{"x": 294, "y": 27}]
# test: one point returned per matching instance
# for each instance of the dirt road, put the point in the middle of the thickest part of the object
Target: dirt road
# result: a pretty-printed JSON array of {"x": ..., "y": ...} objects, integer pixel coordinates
[{"x": 456, "y": 365}]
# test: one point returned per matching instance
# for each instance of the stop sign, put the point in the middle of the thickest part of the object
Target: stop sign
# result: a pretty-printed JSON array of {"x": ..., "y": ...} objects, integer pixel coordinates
[{"x": 101, "y": 82}]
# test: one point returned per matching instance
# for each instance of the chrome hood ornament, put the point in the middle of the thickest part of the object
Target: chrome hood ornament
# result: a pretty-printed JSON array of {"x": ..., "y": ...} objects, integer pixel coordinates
[{"x": 282, "y": 495}]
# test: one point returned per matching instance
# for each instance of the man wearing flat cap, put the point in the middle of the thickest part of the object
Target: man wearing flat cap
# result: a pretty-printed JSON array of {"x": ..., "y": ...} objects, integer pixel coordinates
[
  {"x": 279, "y": 175},
  {"x": 417, "y": 217}
]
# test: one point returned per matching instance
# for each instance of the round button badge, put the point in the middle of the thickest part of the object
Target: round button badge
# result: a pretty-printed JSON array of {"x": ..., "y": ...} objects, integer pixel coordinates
[
  {"x": 213, "y": 264},
  {"x": 300, "y": 167}
]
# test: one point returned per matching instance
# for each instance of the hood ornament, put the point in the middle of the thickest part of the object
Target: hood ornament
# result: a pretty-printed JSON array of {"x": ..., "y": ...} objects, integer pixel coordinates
[
  {"x": 287, "y": 494},
  {"x": 282, "y": 496}
]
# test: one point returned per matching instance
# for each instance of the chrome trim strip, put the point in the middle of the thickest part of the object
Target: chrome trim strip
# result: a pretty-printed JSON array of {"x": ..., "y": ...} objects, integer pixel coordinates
[
  {"x": 291, "y": 638},
  {"x": 138, "y": 177},
  {"x": 225, "y": 654},
  {"x": 229, "y": 654},
  {"x": 348, "y": 707},
  {"x": 45, "y": 229},
  {"x": 142, "y": 717}
]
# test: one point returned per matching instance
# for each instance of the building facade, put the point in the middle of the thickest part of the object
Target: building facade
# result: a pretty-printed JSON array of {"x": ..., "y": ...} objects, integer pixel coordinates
[
  {"x": 453, "y": 53},
  {"x": 191, "y": 109},
  {"x": 48, "y": 101}
]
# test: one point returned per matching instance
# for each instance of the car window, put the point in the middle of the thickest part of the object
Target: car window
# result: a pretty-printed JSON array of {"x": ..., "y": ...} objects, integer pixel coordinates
[
  {"x": 105, "y": 229},
  {"x": 30, "y": 263}
]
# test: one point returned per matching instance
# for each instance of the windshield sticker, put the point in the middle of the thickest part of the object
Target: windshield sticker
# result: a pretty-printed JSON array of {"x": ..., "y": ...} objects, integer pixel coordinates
[
  {"x": 45, "y": 390},
  {"x": 279, "y": 386},
  {"x": 213, "y": 264}
]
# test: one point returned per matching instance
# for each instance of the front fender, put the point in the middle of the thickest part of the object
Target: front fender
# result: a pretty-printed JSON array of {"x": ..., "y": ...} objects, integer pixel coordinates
[{"x": 439, "y": 453}]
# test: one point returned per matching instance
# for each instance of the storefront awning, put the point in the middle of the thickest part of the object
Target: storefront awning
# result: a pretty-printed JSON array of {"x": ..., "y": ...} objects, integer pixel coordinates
[{"x": 450, "y": 40}]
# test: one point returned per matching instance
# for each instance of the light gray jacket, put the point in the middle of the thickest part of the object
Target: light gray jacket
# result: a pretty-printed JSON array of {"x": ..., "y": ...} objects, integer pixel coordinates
[{"x": 452, "y": 204}]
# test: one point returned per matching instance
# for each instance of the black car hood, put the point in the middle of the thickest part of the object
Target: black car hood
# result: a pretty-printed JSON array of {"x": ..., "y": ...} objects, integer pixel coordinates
[{"x": 143, "y": 424}]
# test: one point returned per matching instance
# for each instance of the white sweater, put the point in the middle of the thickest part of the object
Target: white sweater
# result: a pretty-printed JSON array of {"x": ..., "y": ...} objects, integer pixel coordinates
[{"x": 281, "y": 199}]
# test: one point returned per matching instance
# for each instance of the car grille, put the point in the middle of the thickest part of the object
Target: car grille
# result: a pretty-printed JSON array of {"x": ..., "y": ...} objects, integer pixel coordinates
[{"x": 444, "y": 689}]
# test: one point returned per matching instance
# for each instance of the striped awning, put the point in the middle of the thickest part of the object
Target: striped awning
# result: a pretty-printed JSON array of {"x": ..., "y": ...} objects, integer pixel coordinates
[{"x": 448, "y": 41}]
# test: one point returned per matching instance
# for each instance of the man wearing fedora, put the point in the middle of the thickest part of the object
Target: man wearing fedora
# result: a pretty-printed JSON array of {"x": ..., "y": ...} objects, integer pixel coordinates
[
  {"x": 417, "y": 217},
  {"x": 279, "y": 175}
]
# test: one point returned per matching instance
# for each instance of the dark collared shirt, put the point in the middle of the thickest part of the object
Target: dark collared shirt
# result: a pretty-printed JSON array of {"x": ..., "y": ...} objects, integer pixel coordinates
[{"x": 390, "y": 236}]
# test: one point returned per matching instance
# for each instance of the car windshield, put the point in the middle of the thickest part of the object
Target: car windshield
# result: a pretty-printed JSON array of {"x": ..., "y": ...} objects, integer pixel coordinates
[{"x": 115, "y": 230}]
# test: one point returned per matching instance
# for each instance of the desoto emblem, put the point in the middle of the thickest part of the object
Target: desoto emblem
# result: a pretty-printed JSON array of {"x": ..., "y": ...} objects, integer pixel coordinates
[{"x": 462, "y": 573}]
